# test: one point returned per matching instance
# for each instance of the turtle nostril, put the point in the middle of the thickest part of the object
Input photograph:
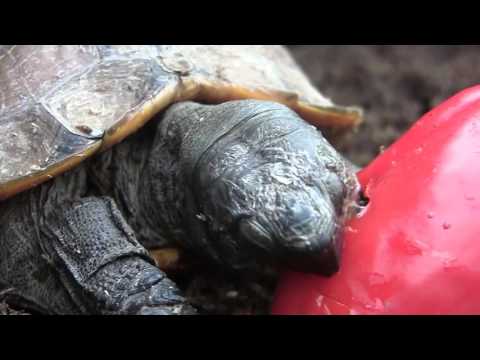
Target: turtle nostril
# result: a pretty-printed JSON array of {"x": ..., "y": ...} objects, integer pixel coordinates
[{"x": 299, "y": 217}]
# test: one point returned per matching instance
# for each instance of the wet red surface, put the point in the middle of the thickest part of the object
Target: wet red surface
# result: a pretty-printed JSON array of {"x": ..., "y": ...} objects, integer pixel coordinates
[{"x": 414, "y": 249}]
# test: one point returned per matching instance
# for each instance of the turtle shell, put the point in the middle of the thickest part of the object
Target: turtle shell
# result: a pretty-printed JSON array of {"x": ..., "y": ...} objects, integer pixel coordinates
[{"x": 60, "y": 104}]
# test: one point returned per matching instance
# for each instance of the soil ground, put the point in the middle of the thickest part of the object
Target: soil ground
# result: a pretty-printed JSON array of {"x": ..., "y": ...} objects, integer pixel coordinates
[{"x": 394, "y": 85}]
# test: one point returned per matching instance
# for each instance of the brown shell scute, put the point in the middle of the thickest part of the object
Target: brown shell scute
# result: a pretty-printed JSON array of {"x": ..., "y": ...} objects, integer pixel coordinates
[
  {"x": 267, "y": 68},
  {"x": 33, "y": 140},
  {"x": 28, "y": 73},
  {"x": 106, "y": 93}
]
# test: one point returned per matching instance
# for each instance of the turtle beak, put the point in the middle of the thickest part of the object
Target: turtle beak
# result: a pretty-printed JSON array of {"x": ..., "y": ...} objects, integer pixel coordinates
[
  {"x": 300, "y": 235},
  {"x": 310, "y": 241}
]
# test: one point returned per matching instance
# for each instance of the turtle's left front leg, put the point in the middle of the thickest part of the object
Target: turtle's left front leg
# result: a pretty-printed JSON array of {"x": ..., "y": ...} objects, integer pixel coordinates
[{"x": 78, "y": 256}]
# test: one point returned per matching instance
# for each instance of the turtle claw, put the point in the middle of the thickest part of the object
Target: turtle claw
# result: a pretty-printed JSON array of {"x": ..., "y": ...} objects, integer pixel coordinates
[
  {"x": 160, "y": 298},
  {"x": 162, "y": 310}
]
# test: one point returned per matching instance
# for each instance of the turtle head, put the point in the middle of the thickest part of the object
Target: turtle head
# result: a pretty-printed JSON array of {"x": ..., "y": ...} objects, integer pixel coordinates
[{"x": 273, "y": 189}]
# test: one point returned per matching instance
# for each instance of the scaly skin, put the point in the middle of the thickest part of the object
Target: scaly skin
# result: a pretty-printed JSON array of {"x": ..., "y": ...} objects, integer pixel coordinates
[{"x": 240, "y": 184}]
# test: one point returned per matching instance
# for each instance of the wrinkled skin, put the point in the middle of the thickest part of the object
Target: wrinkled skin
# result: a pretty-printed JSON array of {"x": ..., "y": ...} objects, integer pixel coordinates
[{"x": 240, "y": 184}]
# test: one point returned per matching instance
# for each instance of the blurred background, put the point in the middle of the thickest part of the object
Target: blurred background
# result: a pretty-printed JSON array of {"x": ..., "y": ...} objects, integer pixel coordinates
[{"x": 394, "y": 84}]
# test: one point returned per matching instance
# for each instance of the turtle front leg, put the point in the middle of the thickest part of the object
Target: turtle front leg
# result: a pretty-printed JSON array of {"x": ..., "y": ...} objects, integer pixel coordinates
[{"x": 80, "y": 257}]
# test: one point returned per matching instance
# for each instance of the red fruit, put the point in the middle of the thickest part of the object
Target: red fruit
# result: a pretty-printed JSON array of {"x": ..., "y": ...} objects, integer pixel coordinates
[{"x": 415, "y": 249}]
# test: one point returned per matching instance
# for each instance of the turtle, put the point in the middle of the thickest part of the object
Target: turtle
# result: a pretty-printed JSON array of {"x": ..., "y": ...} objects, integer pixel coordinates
[{"x": 111, "y": 152}]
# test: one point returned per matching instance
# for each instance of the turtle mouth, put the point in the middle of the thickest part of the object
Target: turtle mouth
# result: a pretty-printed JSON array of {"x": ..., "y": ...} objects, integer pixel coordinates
[{"x": 314, "y": 250}]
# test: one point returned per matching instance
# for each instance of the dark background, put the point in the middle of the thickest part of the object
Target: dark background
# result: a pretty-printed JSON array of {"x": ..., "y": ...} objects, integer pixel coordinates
[{"x": 394, "y": 84}]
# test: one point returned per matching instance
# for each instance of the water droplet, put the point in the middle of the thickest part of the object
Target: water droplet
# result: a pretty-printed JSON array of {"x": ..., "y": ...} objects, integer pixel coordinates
[
  {"x": 350, "y": 229},
  {"x": 394, "y": 163},
  {"x": 381, "y": 149},
  {"x": 415, "y": 247},
  {"x": 449, "y": 263},
  {"x": 469, "y": 197},
  {"x": 319, "y": 300},
  {"x": 327, "y": 310},
  {"x": 201, "y": 217},
  {"x": 376, "y": 279},
  {"x": 430, "y": 215},
  {"x": 231, "y": 294},
  {"x": 377, "y": 306},
  {"x": 446, "y": 258},
  {"x": 446, "y": 225},
  {"x": 418, "y": 150}
]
